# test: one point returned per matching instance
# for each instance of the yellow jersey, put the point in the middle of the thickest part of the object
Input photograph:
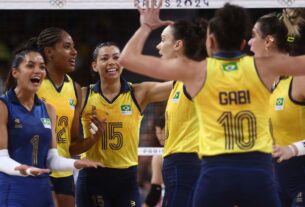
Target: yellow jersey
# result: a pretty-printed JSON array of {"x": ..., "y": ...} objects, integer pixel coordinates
[
  {"x": 118, "y": 145},
  {"x": 287, "y": 115},
  {"x": 232, "y": 108},
  {"x": 63, "y": 100},
  {"x": 182, "y": 128}
]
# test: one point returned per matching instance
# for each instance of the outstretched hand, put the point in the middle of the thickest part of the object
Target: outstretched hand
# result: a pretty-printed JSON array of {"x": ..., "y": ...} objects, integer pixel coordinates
[
  {"x": 87, "y": 164},
  {"x": 150, "y": 16},
  {"x": 34, "y": 171}
]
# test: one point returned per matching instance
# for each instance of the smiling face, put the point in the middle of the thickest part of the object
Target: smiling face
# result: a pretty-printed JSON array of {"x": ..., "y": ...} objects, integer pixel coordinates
[
  {"x": 166, "y": 46},
  {"x": 30, "y": 72},
  {"x": 106, "y": 63},
  {"x": 63, "y": 54}
]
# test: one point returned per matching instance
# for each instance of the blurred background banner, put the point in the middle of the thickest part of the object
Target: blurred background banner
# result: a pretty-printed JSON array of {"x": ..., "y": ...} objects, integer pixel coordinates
[{"x": 128, "y": 4}]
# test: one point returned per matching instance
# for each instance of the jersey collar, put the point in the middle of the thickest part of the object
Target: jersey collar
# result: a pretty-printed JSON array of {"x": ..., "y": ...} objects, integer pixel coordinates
[
  {"x": 124, "y": 86},
  {"x": 227, "y": 55},
  {"x": 13, "y": 98}
]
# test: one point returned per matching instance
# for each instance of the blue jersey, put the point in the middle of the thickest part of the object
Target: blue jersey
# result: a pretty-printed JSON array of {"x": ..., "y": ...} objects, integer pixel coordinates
[
  {"x": 29, "y": 132},
  {"x": 29, "y": 139}
]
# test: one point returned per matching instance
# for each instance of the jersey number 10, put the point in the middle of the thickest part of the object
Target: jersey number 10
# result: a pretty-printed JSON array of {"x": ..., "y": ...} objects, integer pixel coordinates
[{"x": 235, "y": 128}]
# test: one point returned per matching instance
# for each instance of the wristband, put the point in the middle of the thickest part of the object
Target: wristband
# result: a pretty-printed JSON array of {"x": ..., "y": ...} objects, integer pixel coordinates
[
  {"x": 300, "y": 148},
  {"x": 294, "y": 152}
]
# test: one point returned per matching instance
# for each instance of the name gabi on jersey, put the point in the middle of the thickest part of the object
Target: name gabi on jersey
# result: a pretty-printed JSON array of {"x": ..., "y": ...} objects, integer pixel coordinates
[{"x": 234, "y": 97}]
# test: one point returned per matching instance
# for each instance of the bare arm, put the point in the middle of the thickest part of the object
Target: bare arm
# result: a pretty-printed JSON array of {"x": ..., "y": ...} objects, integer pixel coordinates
[
  {"x": 3, "y": 126},
  {"x": 148, "y": 92},
  {"x": 156, "y": 166},
  {"x": 271, "y": 67},
  {"x": 78, "y": 143},
  {"x": 156, "y": 182},
  {"x": 298, "y": 88}
]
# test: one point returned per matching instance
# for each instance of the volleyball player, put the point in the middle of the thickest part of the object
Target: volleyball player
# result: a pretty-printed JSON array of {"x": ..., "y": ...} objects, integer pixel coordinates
[
  {"x": 276, "y": 34},
  {"x": 122, "y": 104},
  {"x": 27, "y": 136},
  {"x": 182, "y": 129},
  {"x": 64, "y": 94}
]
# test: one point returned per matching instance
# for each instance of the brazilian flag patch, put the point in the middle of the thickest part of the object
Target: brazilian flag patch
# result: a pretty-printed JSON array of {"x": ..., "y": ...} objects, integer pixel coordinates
[
  {"x": 176, "y": 97},
  {"x": 126, "y": 109},
  {"x": 279, "y": 104},
  {"x": 228, "y": 67}
]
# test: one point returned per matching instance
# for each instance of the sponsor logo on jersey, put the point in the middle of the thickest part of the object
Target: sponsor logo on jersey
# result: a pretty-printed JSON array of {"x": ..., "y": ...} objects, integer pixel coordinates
[
  {"x": 46, "y": 122},
  {"x": 18, "y": 124}
]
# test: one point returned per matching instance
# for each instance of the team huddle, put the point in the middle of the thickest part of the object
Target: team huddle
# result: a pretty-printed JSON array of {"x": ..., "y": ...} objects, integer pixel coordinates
[{"x": 234, "y": 124}]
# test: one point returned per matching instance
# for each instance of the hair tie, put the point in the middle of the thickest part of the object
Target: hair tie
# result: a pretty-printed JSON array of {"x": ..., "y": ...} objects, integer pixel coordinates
[{"x": 290, "y": 39}]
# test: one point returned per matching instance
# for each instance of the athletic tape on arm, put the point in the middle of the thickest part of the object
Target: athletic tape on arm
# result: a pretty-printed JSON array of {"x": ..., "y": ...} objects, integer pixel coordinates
[
  {"x": 56, "y": 162},
  {"x": 8, "y": 165}
]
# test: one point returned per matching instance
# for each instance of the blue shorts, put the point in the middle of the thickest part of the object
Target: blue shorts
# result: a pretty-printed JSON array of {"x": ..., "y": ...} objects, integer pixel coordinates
[
  {"x": 16, "y": 191},
  {"x": 290, "y": 175},
  {"x": 245, "y": 180},
  {"x": 180, "y": 172},
  {"x": 63, "y": 185},
  {"x": 108, "y": 187}
]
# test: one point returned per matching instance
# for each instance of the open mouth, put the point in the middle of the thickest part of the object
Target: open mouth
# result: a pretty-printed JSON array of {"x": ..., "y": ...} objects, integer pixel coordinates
[
  {"x": 111, "y": 70},
  {"x": 35, "y": 80}
]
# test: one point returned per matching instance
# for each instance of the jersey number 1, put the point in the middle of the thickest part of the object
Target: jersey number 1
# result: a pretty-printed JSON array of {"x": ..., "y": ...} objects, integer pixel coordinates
[{"x": 35, "y": 144}]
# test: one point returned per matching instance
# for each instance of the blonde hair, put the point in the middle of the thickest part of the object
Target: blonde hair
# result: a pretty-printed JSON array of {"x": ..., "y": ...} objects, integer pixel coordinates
[{"x": 293, "y": 19}]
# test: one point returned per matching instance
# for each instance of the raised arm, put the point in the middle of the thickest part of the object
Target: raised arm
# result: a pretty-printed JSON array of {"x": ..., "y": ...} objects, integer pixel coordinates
[
  {"x": 298, "y": 88},
  {"x": 148, "y": 92},
  {"x": 282, "y": 65},
  {"x": 133, "y": 59}
]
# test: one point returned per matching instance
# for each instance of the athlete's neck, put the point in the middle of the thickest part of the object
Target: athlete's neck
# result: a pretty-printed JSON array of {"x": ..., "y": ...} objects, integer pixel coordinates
[
  {"x": 57, "y": 77},
  {"x": 25, "y": 98},
  {"x": 110, "y": 89}
]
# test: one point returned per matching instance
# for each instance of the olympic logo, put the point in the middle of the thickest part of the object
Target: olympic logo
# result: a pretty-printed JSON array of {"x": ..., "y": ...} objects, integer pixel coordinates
[
  {"x": 287, "y": 2},
  {"x": 58, "y": 3}
]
